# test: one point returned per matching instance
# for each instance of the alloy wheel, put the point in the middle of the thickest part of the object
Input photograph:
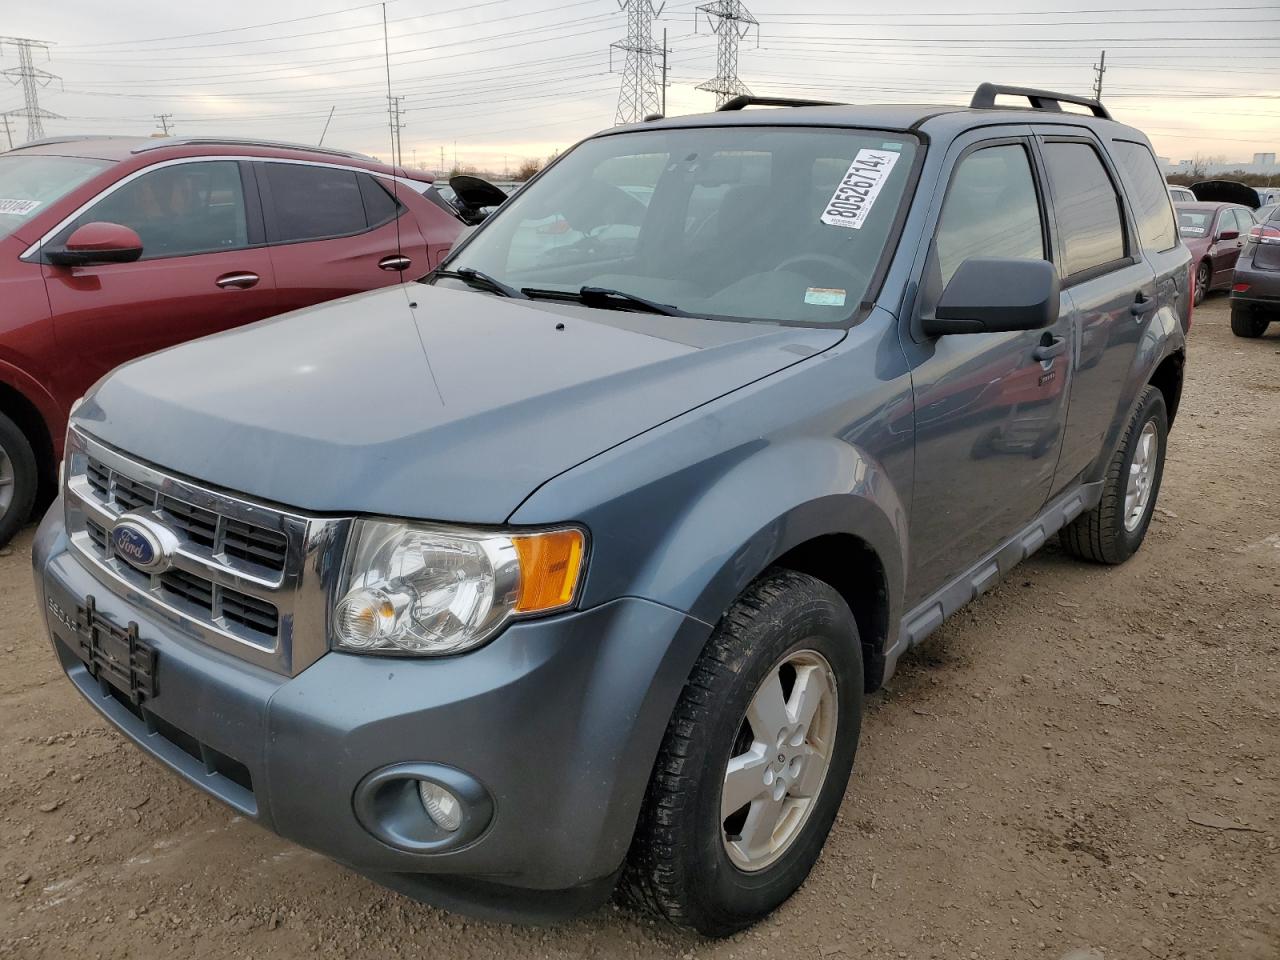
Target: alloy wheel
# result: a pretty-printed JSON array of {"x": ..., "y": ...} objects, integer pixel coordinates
[
  {"x": 1142, "y": 474},
  {"x": 780, "y": 760}
]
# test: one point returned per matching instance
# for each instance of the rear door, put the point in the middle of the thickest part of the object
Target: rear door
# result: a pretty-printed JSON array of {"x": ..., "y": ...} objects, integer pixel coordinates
[
  {"x": 1226, "y": 248},
  {"x": 334, "y": 231},
  {"x": 1157, "y": 231},
  {"x": 203, "y": 268},
  {"x": 1112, "y": 290}
]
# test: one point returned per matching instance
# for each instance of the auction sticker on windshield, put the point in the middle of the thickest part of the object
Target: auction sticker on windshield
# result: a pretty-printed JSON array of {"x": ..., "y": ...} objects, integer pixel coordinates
[
  {"x": 18, "y": 207},
  {"x": 857, "y": 192}
]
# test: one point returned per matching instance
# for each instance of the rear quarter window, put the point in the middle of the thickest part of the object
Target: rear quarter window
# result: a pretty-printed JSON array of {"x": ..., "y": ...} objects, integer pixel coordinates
[{"x": 1147, "y": 193}]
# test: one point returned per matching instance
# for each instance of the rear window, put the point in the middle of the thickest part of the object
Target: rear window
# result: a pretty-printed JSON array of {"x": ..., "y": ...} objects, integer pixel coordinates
[
  {"x": 30, "y": 182},
  {"x": 1086, "y": 206},
  {"x": 1194, "y": 223},
  {"x": 1148, "y": 193}
]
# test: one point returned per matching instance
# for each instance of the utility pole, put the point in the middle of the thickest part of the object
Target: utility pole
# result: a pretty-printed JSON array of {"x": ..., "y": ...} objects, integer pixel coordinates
[
  {"x": 163, "y": 120},
  {"x": 442, "y": 169},
  {"x": 320, "y": 142},
  {"x": 396, "y": 124},
  {"x": 32, "y": 79},
  {"x": 1099, "y": 69},
  {"x": 7, "y": 135},
  {"x": 664, "y": 71},
  {"x": 638, "y": 95}
]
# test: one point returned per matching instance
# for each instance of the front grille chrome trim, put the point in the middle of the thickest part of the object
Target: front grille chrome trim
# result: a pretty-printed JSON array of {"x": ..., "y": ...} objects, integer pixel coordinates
[{"x": 300, "y": 592}]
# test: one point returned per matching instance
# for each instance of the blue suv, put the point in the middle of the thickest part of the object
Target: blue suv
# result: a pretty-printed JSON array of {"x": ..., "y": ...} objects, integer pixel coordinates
[{"x": 568, "y": 569}]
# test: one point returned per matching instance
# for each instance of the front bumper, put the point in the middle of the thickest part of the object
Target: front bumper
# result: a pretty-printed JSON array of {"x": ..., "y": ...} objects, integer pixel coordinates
[{"x": 559, "y": 720}]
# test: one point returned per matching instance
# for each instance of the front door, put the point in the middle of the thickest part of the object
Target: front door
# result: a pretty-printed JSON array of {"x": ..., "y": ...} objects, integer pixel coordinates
[
  {"x": 989, "y": 414},
  {"x": 203, "y": 269}
]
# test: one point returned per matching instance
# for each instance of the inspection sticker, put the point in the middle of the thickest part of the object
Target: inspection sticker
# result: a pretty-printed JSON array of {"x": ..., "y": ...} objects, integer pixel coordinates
[
  {"x": 824, "y": 296},
  {"x": 857, "y": 192},
  {"x": 18, "y": 207}
]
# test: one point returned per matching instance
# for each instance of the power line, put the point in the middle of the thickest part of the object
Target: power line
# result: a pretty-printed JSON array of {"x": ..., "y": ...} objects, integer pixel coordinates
[
  {"x": 638, "y": 93},
  {"x": 732, "y": 22},
  {"x": 32, "y": 79}
]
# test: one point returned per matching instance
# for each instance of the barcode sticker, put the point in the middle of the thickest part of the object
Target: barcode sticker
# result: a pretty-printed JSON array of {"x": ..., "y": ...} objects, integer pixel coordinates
[
  {"x": 18, "y": 207},
  {"x": 857, "y": 192}
]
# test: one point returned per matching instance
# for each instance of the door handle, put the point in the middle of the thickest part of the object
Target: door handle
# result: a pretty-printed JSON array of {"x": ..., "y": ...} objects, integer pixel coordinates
[
  {"x": 1142, "y": 305},
  {"x": 395, "y": 261},
  {"x": 1050, "y": 347},
  {"x": 240, "y": 281}
]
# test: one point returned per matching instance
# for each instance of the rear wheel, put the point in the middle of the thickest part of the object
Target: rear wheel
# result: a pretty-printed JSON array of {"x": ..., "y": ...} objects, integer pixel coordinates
[
  {"x": 1247, "y": 322},
  {"x": 755, "y": 760},
  {"x": 19, "y": 479},
  {"x": 1202, "y": 282},
  {"x": 1113, "y": 530}
]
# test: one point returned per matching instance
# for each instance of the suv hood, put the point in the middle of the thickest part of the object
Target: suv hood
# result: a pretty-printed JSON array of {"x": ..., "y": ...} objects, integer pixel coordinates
[
  {"x": 1226, "y": 191},
  {"x": 420, "y": 401}
]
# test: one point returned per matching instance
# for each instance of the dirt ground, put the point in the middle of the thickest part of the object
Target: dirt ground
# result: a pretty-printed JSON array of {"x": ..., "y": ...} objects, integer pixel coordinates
[{"x": 1084, "y": 764}]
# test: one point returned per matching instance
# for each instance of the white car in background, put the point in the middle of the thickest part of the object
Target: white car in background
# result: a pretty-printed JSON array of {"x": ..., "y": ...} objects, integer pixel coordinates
[{"x": 1181, "y": 195}]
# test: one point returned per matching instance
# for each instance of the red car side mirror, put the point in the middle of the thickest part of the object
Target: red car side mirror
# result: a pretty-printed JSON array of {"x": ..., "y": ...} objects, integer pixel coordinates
[
  {"x": 1229, "y": 235},
  {"x": 98, "y": 243}
]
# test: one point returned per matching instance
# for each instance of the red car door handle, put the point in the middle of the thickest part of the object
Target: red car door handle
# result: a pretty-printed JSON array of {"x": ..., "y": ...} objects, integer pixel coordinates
[
  {"x": 238, "y": 281},
  {"x": 395, "y": 261}
]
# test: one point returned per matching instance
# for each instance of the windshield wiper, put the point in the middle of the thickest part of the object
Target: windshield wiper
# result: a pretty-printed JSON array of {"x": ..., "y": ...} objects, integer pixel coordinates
[
  {"x": 608, "y": 298},
  {"x": 482, "y": 281}
]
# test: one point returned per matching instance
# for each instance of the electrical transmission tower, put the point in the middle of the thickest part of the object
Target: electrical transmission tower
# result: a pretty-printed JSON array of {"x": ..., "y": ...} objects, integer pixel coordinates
[
  {"x": 638, "y": 96},
  {"x": 163, "y": 120},
  {"x": 395, "y": 108},
  {"x": 731, "y": 22},
  {"x": 32, "y": 79},
  {"x": 1098, "y": 70}
]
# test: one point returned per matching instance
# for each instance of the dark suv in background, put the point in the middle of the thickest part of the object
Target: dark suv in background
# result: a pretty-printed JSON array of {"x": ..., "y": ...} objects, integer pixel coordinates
[
  {"x": 113, "y": 247},
  {"x": 1255, "y": 289},
  {"x": 570, "y": 567}
]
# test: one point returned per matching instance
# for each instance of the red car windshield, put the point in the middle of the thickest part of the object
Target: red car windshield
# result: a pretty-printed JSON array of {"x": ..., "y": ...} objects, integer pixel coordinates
[{"x": 28, "y": 184}]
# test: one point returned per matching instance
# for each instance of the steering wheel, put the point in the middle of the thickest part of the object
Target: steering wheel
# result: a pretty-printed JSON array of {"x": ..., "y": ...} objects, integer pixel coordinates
[{"x": 824, "y": 259}]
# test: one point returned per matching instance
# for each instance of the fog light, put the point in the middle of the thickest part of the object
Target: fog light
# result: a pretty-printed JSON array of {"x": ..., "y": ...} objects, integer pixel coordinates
[{"x": 441, "y": 805}]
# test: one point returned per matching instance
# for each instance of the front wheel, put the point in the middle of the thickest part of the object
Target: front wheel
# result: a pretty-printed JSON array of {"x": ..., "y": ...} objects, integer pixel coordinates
[
  {"x": 755, "y": 760},
  {"x": 19, "y": 478},
  {"x": 1247, "y": 322},
  {"x": 1113, "y": 530}
]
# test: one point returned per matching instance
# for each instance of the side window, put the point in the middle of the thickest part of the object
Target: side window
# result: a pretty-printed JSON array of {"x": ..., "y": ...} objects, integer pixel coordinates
[
  {"x": 991, "y": 210},
  {"x": 177, "y": 210},
  {"x": 1149, "y": 195},
  {"x": 379, "y": 206},
  {"x": 312, "y": 203},
  {"x": 1086, "y": 206}
]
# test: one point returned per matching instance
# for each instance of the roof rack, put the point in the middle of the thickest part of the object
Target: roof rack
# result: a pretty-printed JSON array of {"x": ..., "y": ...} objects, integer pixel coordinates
[
  {"x": 69, "y": 138},
  {"x": 161, "y": 142},
  {"x": 747, "y": 100},
  {"x": 984, "y": 98}
]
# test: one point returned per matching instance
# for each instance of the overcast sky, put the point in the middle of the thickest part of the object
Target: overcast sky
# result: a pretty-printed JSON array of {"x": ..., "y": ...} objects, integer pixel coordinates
[{"x": 509, "y": 79}]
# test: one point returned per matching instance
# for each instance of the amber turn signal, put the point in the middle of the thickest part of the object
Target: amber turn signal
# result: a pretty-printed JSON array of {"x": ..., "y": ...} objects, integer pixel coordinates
[{"x": 550, "y": 564}]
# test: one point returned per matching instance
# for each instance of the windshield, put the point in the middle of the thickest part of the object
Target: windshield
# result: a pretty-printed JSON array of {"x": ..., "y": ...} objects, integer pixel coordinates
[
  {"x": 28, "y": 184},
  {"x": 752, "y": 223}
]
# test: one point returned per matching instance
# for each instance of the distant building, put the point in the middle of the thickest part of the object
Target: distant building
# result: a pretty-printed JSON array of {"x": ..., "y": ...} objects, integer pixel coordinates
[
  {"x": 1262, "y": 163},
  {"x": 1264, "y": 159}
]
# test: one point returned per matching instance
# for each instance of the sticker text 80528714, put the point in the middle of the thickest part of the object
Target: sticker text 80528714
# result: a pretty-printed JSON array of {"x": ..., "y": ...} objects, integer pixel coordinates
[{"x": 857, "y": 192}]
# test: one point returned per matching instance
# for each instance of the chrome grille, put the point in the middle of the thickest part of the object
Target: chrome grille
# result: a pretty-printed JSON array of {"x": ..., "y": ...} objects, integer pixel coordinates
[{"x": 246, "y": 577}]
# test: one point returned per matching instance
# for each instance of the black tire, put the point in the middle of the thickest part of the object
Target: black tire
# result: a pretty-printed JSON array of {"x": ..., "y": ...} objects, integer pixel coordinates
[
  {"x": 1204, "y": 277},
  {"x": 18, "y": 468},
  {"x": 1247, "y": 322},
  {"x": 678, "y": 868},
  {"x": 1100, "y": 535}
]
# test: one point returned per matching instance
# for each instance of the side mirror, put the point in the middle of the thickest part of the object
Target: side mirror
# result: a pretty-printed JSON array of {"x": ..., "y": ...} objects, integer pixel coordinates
[
  {"x": 1229, "y": 235},
  {"x": 993, "y": 295},
  {"x": 98, "y": 243}
]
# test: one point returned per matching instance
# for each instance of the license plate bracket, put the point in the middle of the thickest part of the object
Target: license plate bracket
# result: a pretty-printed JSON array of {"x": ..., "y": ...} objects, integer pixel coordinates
[{"x": 118, "y": 656}]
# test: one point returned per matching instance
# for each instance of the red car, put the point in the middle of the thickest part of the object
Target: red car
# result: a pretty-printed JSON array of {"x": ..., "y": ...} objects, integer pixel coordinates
[
  {"x": 1215, "y": 233},
  {"x": 115, "y": 247}
]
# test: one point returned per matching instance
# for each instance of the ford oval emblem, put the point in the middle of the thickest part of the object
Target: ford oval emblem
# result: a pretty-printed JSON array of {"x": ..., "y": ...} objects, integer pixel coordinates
[{"x": 136, "y": 543}]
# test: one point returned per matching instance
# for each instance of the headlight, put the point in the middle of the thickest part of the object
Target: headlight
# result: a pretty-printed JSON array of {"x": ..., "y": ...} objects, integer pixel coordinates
[{"x": 433, "y": 590}]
